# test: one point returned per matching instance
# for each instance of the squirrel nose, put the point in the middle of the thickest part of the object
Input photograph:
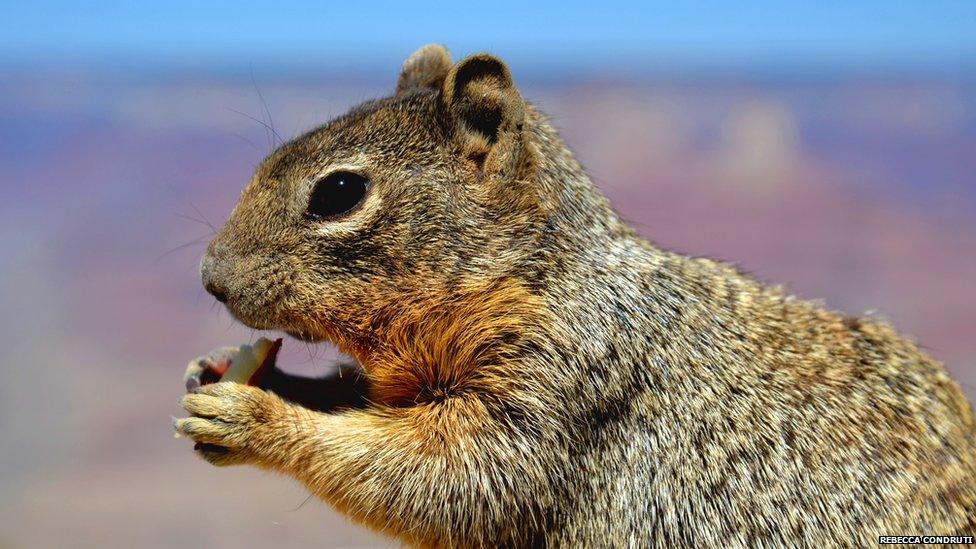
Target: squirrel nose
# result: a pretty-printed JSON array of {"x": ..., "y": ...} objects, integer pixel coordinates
[
  {"x": 209, "y": 279},
  {"x": 218, "y": 293}
]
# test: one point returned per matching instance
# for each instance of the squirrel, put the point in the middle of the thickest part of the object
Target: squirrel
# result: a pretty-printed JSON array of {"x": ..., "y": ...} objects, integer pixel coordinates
[{"x": 533, "y": 372}]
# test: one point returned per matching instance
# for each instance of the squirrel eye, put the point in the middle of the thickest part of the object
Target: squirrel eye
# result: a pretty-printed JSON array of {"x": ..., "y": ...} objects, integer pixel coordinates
[{"x": 336, "y": 194}]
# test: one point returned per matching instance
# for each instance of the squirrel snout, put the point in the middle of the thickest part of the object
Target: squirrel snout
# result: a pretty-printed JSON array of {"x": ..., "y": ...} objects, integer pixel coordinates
[{"x": 211, "y": 282}]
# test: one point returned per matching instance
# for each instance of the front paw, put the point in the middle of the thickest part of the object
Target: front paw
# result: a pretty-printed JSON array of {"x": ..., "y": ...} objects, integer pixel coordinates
[{"x": 230, "y": 423}]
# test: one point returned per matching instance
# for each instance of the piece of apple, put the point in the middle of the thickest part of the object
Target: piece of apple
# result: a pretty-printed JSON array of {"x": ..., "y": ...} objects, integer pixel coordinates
[
  {"x": 251, "y": 361},
  {"x": 243, "y": 364}
]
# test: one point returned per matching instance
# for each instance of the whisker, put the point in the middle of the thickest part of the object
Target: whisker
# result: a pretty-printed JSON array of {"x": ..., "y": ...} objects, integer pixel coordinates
[
  {"x": 309, "y": 349},
  {"x": 195, "y": 220},
  {"x": 266, "y": 110},
  {"x": 230, "y": 321},
  {"x": 195, "y": 242},
  {"x": 267, "y": 128},
  {"x": 248, "y": 141},
  {"x": 302, "y": 504},
  {"x": 203, "y": 217}
]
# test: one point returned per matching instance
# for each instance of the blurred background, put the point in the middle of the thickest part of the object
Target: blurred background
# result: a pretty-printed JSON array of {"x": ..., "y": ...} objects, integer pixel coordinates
[{"x": 829, "y": 146}]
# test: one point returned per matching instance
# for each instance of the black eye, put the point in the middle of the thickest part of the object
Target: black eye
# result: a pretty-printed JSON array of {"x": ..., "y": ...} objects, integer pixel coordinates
[{"x": 336, "y": 194}]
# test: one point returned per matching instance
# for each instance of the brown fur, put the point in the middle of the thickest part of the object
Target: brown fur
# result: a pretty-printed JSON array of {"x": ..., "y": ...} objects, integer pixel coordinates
[{"x": 537, "y": 374}]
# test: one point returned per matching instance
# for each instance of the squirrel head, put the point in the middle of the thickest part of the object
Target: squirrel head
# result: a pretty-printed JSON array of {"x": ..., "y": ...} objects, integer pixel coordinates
[{"x": 425, "y": 193}]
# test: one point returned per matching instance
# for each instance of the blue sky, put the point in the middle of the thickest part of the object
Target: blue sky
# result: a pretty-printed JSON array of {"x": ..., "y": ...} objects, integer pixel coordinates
[{"x": 708, "y": 32}]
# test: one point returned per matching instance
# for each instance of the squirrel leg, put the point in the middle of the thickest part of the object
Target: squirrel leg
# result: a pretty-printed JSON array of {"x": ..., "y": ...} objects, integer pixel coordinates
[{"x": 438, "y": 473}]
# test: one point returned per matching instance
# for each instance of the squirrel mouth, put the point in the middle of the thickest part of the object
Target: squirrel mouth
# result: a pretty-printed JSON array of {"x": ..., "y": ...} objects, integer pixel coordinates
[
  {"x": 350, "y": 345},
  {"x": 348, "y": 342}
]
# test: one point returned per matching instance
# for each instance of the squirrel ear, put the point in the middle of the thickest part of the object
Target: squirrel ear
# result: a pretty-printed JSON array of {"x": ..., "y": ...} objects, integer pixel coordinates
[
  {"x": 425, "y": 68},
  {"x": 485, "y": 107}
]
